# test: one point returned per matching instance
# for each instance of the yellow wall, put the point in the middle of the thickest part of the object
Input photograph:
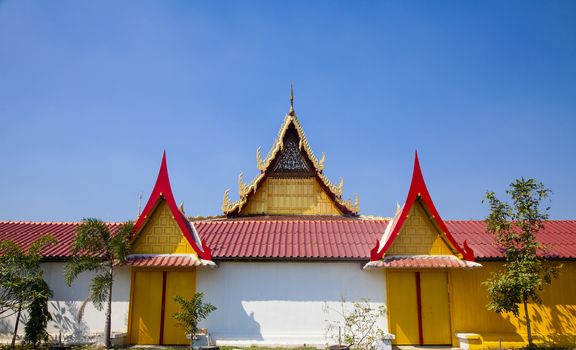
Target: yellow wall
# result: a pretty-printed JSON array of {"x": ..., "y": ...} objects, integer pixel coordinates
[
  {"x": 553, "y": 322},
  {"x": 296, "y": 196},
  {"x": 161, "y": 235},
  {"x": 418, "y": 236}
]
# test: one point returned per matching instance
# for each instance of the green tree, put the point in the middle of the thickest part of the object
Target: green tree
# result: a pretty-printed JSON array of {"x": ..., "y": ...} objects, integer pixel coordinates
[
  {"x": 515, "y": 227},
  {"x": 38, "y": 315},
  {"x": 20, "y": 276},
  {"x": 191, "y": 312},
  {"x": 97, "y": 250}
]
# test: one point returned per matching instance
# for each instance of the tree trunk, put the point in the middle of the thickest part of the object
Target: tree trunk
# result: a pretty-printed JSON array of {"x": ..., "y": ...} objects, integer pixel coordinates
[
  {"x": 16, "y": 325},
  {"x": 528, "y": 327},
  {"x": 108, "y": 326}
]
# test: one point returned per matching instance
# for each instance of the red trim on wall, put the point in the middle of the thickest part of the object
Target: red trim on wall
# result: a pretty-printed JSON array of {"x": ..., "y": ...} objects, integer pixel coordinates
[
  {"x": 419, "y": 306},
  {"x": 419, "y": 191},
  {"x": 163, "y": 191},
  {"x": 163, "y": 308}
]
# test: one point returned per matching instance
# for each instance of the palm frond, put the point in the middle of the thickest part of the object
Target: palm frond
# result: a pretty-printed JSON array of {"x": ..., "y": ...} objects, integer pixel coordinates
[
  {"x": 119, "y": 246},
  {"x": 78, "y": 264},
  {"x": 99, "y": 289},
  {"x": 92, "y": 236}
]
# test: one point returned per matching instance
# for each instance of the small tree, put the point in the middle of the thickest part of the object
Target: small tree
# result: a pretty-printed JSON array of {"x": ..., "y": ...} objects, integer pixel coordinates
[
  {"x": 515, "y": 227},
  {"x": 96, "y": 249},
  {"x": 192, "y": 311},
  {"x": 358, "y": 326},
  {"x": 20, "y": 276},
  {"x": 38, "y": 315}
]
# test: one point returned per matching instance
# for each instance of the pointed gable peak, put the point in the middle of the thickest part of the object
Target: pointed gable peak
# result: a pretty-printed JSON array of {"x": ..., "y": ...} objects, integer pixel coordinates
[
  {"x": 418, "y": 192},
  {"x": 162, "y": 191},
  {"x": 417, "y": 172},
  {"x": 291, "y": 137}
]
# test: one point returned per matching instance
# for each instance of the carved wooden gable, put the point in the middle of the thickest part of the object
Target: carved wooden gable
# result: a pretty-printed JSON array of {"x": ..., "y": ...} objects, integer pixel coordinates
[{"x": 291, "y": 181}]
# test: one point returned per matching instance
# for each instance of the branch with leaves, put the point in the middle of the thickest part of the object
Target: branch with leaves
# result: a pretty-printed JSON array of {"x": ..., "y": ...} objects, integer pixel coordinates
[
  {"x": 357, "y": 325},
  {"x": 22, "y": 282},
  {"x": 515, "y": 227},
  {"x": 192, "y": 312},
  {"x": 95, "y": 249}
]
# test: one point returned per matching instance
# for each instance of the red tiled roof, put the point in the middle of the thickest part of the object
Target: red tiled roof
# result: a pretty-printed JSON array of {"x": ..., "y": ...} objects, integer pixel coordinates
[
  {"x": 26, "y": 232},
  {"x": 300, "y": 238},
  {"x": 558, "y": 237},
  {"x": 422, "y": 262},
  {"x": 346, "y": 239},
  {"x": 167, "y": 261}
]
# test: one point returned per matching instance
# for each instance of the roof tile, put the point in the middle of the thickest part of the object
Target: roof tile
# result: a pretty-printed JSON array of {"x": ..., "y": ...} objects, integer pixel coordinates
[{"x": 303, "y": 238}]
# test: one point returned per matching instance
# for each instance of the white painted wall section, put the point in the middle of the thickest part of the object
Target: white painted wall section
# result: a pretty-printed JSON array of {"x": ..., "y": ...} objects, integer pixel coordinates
[
  {"x": 281, "y": 303},
  {"x": 67, "y": 302}
]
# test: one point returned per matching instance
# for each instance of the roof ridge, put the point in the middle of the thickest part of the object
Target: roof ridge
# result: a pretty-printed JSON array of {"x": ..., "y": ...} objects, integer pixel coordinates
[
  {"x": 483, "y": 220},
  {"x": 52, "y": 222}
]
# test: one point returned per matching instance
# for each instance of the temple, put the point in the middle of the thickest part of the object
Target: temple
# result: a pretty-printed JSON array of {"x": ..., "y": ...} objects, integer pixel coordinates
[{"x": 288, "y": 249}]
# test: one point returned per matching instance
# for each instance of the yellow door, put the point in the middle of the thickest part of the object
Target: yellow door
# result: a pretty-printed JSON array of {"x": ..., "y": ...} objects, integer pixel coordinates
[
  {"x": 418, "y": 307},
  {"x": 435, "y": 308},
  {"x": 177, "y": 283},
  {"x": 403, "y": 307},
  {"x": 146, "y": 307}
]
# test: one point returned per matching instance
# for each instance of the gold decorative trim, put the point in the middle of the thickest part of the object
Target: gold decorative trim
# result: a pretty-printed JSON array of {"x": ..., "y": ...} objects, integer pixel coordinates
[
  {"x": 227, "y": 204},
  {"x": 321, "y": 163},
  {"x": 244, "y": 190},
  {"x": 259, "y": 164},
  {"x": 242, "y": 187}
]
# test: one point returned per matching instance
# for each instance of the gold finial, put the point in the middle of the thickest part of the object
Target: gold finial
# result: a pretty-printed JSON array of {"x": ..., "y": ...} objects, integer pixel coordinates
[
  {"x": 139, "y": 204},
  {"x": 291, "y": 100}
]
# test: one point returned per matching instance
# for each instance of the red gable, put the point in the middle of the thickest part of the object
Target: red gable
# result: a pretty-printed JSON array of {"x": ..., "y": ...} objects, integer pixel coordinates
[
  {"x": 163, "y": 191},
  {"x": 418, "y": 191}
]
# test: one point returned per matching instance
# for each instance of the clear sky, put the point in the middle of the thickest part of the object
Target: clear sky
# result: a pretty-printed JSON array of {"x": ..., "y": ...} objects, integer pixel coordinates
[{"x": 91, "y": 93}]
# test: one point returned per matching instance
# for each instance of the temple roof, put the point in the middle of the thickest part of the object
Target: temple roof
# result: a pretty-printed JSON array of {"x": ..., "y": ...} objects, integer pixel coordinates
[
  {"x": 309, "y": 165},
  {"x": 301, "y": 238}
]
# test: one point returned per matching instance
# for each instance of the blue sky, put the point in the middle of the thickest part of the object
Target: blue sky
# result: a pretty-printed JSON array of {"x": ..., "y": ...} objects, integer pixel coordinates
[{"x": 91, "y": 93}]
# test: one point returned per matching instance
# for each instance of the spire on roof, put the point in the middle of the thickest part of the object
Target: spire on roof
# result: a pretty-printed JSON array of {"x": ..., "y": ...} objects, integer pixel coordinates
[{"x": 291, "y": 100}]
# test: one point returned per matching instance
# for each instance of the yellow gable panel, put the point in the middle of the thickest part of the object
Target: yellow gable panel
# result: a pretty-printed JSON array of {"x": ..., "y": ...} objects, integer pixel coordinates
[
  {"x": 418, "y": 236},
  {"x": 290, "y": 196},
  {"x": 161, "y": 235}
]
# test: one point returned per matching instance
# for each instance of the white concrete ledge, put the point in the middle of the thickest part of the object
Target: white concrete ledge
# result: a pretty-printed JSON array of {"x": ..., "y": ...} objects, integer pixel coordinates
[{"x": 469, "y": 341}]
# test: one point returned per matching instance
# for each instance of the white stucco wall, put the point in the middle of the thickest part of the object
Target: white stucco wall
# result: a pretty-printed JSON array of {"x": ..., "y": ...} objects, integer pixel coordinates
[
  {"x": 66, "y": 303},
  {"x": 284, "y": 302},
  {"x": 280, "y": 303}
]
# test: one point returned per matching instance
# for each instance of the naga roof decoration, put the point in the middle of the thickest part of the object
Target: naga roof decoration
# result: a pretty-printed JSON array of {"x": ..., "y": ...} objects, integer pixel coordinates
[
  {"x": 267, "y": 165},
  {"x": 418, "y": 192},
  {"x": 163, "y": 191}
]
